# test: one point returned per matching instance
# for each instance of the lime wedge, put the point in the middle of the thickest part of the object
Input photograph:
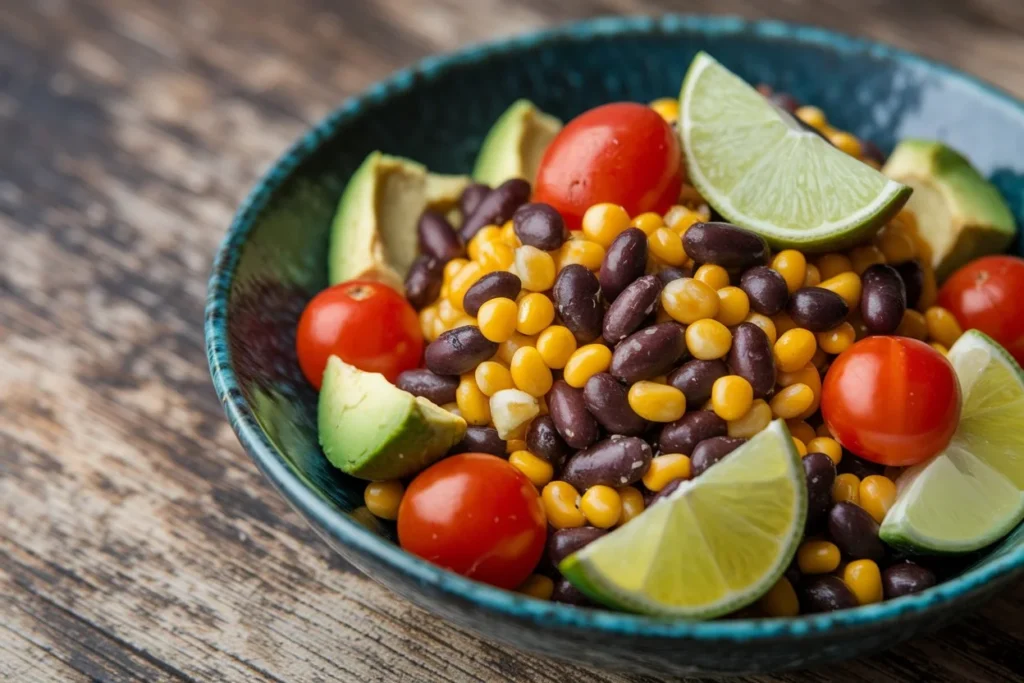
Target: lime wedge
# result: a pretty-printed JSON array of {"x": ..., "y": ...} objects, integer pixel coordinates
[
  {"x": 717, "y": 543},
  {"x": 971, "y": 494},
  {"x": 761, "y": 169}
]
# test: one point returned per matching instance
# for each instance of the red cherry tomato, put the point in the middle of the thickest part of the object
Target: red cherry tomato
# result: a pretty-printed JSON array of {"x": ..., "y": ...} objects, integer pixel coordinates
[
  {"x": 366, "y": 324},
  {"x": 623, "y": 153},
  {"x": 891, "y": 400},
  {"x": 987, "y": 295},
  {"x": 476, "y": 515}
]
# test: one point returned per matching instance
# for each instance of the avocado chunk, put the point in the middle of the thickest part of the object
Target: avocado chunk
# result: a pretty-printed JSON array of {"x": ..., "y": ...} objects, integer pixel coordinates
[
  {"x": 960, "y": 215},
  {"x": 371, "y": 429},
  {"x": 374, "y": 231},
  {"x": 515, "y": 144}
]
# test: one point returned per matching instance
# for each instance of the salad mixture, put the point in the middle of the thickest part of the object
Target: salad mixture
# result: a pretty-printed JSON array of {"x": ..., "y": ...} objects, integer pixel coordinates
[{"x": 686, "y": 358}]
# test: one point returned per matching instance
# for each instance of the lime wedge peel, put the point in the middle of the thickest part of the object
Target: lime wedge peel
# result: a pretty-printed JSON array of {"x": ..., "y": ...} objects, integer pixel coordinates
[
  {"x": 761, "y": 169},
  {"x": 972, "y": 494},
  {"x": 714, "y": 545}
]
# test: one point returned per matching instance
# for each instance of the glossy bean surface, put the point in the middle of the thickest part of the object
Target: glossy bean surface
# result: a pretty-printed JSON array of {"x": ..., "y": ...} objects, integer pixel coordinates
[
  {"x": 751, "y": 358},
  {"x": 544, "y": 441},
  {"x": 631, "y": 308},
  {"x": 496, "y": 207},
  {"x": 624, "y": 262},
  {"x": 539, "y": 225},
  {"x": 607, "y": 401},
  {"x": 458, "y": 351},
  {"x": 438, "y": 389},
  {"x": 568, "y": 410},
  {"x": 820, "y": 473},
  {"x": 683, "y": 435},
  {"x": 816, "y": 309},
  {"x": 906, "y": 578},
  {"x": 824, "y": 593},
  {"x": 569, "y": 594},
  {"x": 696, "y": 377},
  {"x": 766, "y": 290},
  {"x": 480, "y": 440},
  {"x": 423, "y": 281},
  {"x": 497, "y": 285},
  {"x": 437, "y": 237},
  {"x": 912, "y": 275},
  {"x": 855, "y": 532},
  {"x": 725, "y": 245},
  {"x": 883, "y": 299},
  {"x": 615, "y": 461},
  {"x": 471, "y": 197},
  {"x": 564, "y": 542},
  {"x": 577, "y": 297},
  {"x": 710, "y": 451},
  {"x": 648, "y": 352},
  {"x": 667, "y": 275}
]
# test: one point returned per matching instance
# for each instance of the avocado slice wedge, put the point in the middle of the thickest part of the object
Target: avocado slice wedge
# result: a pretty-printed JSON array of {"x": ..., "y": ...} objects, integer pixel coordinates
[
  {"x": 371, "y": 429},
  {"x": 959, "y": 214},
  {"x": 515, "y": 144},
  {"x": 374, "y": 231}
]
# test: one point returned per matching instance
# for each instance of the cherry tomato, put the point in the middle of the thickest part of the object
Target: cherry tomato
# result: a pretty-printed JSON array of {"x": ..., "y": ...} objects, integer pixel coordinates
[
  {"x": 986, "y": 295},
  {"x": 891, "y": 400},
  {"x": 623, "y": 153},
  {"x": 366, "y": 324},
  {"x": 476, "y": 515}
]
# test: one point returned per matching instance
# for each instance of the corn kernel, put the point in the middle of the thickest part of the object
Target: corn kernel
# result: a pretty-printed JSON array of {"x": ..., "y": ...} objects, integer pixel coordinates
[
  {"x": 537, "y": 586},
  {"x": 864, "y": 580},
  {"x": 812, "y": 116},
  {"x": 428, "y": 316},
  {"x": 838, "y": 339},
  {"x": 648, "y": 222},
  {"x": 896, "y": 245},
  {"x": 799, "y": 429},
  {"x": 913, "y": 325},
  {"x": 713, "y": 276},
  {"x": 733, "y": 306},
  {"x": 794, "y": 349},
  {"x": 667, "y": 108},
  {"x": 708, "y": 339},
  {"x": 731, "y": 397},
  {"x": 864, "y": 257},
  {"x": 602, "y": 223},
  {"x": 679, "y": 219},
  {"x": 817, "y": 557},
  {"x": 940, "y": 348},
  {"x": 877, "y": 495},
  {"x": 667, "y": 246},
  {"x": 783, "y": 323},
  {"x": 463, "y": 321},
  {"x": 942, "y": 326},
  {"x": 447, "y": 312},
  {"x": 602, "y": 506},
  {"x": 508, "y": 235},
  {"x": 656, "y": 402},
  {"x": 452, "y": 268},
  {"x": 473, "y": 403},
  {"x": 561, "y": 505},
  {"x": 492, "y": 377},
  {"x": 535, "y": 313},
  {"x": 497, "y": 319},
  {"x": 847, "y": 143},
  {"x": 511, "y": 412},
  {"x": 780, "y": 600},
  {"x": 495, "y": 255},
  {"x": 824, "y": 431},
  {"x": 766, "y": 325},
  {"x": 755, "y": 419},
  {"x": 556, "y": 345},
  {"x": 439, "y": 328},
  {"x": 535, "y": 268},
  {"x": 846, "y": 489},
  {"x": 529, "y": 372},
  {"x": 812, "y": 277},
  {"x": 538, "y": 471},
  {"x": 585, "y": 362},
  {"x": 847, "y": 285},
  {"x": 507, "y": 349},
  {"x": 792, "y": 266},
  {"x": 830, "y": 265},
  {"x": 632, "y": 503},
  {"x": 513, "y": 445},
  {"x": 800, "y": 446},
  {"x": 383, "y": 498},
  {"x": 462, "y": 281},
  {"x": 666, "y": 468},
  {"x": 488, "y": 233},
  {"x": 586, "y": 253},
  {"x": 929, "y": 289},
  {"x": 688, "y": 300},
  {"x": 828, "y": 446}
]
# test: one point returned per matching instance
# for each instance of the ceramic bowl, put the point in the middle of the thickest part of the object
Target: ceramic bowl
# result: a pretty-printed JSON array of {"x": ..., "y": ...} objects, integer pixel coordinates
[{"x": 272, "y": 262}]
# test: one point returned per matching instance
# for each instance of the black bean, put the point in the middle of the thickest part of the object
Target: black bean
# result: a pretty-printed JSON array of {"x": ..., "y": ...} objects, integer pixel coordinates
[
  {"x": 480, "y": 440},
  {"x": 544, "y": 441},
  {"x": 710, "y": 451},
  {"x": 855, "y": 532},
  {"x": 499, "y": 284},
  {"x": 766, "y": 290},
  {"x": 564, "y": 542},
  {"x": 608, "y": 402},
  {"x": 725, "y": 245},
  {"x": 649, "y": 352},
  {"x": 820, "y": 472},
  {"x": 667, "y": 275},
  {"x": 871, "y": 151},
  {"x": 824, "y": 594},
  {"x": 625, "y": 261},
  {"x": 883, "y": 299},
  {"x": 569, "y": 594},
  {"x": 577, "y": 297},
  {"x": 439, "y": 389},
  {"x": 912, "y": 275},
  {"x": 423, "y": 281},
  {"x": 569, "y": 412},
  {"x": 906, "y": 578},
  {"x": 615, "y": 461},
  {"x": 628, "y": 312},
  {"x": 471, "y": 197},
  {"x": 751, "y": 358},
  {"x": 683, "y": 435},
  {"x": 816, "y": 308},
  {"x": 539, "y": 225},
  {"x": 696, "y": 377},
  {"x": 793, "y": 573},
  {"x": 458, "y": 351},
  {"x": 496, "y": 207},
  {"x": 652, "y": 497},
  {"x": 437, "y": 237}
]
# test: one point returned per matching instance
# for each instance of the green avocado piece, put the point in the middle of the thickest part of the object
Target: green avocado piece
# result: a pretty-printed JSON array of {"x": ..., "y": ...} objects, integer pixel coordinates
[
  {"x": 959, "y": 214},
  {"x": 371, "y": 429},
  {"x": 374, "y": 231},
  {"x": 515, "y": 144}
]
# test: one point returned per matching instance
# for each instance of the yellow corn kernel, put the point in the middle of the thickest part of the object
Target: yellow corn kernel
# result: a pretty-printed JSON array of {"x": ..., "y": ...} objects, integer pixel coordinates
[
  {"x": 828, "y": 446},
  {"x": 896, "y": 245},
  {"x": 877, "y": 494},
  {"x": 586, "y": 253},
  {"x": 820, "y": 360},
  {"x": 656, "y": 402},
  {"x": 529, "y": 372},
  {"x": 783, "y": 323},
  {"x": 864, "y": 257},
  {"x": 439, "y": 327},
  {"x": 648, "y": 222},
  {"x": 492, "y": 377},
  {"x": 602, "y": 506},
  {"x": 733, "y": 306},
  {"x": 830, "y": 265},
  {"x": 497, "y": 319},
  {"x": 806, "y": 375},
  {"x": 864, "y": 580},
  {"x": 780, "y": 600},
  {"x": 661, "y": 315},
  {"x": 513, "y": 445},
  {"x": 846, "y": 489},
  {"x": 452, "y": 268},
  {"x": 824, "y": 431},
  {"x": 537, "y": 586},
  {"x": 942, "y": 326},
  {"x": 731, "y": 397},
  {"x": 538, "y": 471},
  {"x": 766, "y": 325},
  {"x": 495, "y": 255},
  {"x": 847, "y": 143},
  {"x": 929, "y": 289},
  {"x": 507, "y": 349},
  {"x": 463, "y": 321},
  {"x": 799, "y": 429},
  {"x": 812, "y": 116},
  {"x": 382, "y": 498},
  {"x": 794, "y": 349},
  {"x": 679, "y": 219},
  {"x": 535, "y": 268},
  {"x": 688, "y": 300},
  {"x": 508, "y": 235},
  {"x": 447, "y": 312},
  {"x": 913, "y": 325},
  {"x": 708, "y": 339},
  {"x": 667, "y": 108},
  {"x": 838, "y": 339},
  {"x": 602, "y": 223},
  {"x": 940, "y": 348},
  {"x": 800, "y": 446},
  {"x": 488, "y": 233},
  {"x": 713, "y": 276},
  {"x": 556, "y": 345},
  {"x": 585, "y": 362},
  {"x": 817, "y": 557},
  {"x": 561, "y": 505},
  {"x": 462, "y": 281},
  {"x": 812, "y": 277},
  {"x": 752, "y": 422},
  {"x": 666, "y": 468},
  {"x": 632, "y": 503},
  {"x": 473, "y": 403},
  {"x": 535, "y": 313},
  {"x": 792, "y": 266},
  {"x": 847, "y": 285},
  {"x": 428, "y": 316},
  {"x": 667, "y": 246},
  {"x": 791, "y": 402}
]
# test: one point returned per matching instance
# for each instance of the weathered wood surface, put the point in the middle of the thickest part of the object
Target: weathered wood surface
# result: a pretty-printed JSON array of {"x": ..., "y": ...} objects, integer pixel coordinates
[{"x": 137, "y": 541}]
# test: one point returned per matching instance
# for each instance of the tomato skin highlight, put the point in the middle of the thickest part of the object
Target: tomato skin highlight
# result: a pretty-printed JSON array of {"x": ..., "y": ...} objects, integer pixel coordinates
[
  {"x": 476, "y": 515},
  {"x": 891, "y": 400},
  {"x": 366, "y": 324},
  {"x": 986, "y": 295},
  {"x": 623, "y": 153}
]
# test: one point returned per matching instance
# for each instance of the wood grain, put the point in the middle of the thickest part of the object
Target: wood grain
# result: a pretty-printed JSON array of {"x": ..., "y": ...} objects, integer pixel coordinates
[{"x": 137, "y": 541}]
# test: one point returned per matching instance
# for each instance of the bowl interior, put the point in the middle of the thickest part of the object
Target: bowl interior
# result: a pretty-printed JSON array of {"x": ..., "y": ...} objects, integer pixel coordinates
[{"x": 273, "y": 260}]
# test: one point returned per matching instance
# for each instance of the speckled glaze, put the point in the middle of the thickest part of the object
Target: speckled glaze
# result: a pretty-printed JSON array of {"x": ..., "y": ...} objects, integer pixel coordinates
[{"x": 272, "y": 262}]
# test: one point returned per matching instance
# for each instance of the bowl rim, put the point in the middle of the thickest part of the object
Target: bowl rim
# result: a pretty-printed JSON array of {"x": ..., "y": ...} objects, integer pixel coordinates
[{"x": 348, "y": 532}]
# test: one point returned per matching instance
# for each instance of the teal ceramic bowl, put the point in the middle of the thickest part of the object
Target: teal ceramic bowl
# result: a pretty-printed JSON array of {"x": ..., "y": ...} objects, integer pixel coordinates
[{"x": 272, "y": 262}]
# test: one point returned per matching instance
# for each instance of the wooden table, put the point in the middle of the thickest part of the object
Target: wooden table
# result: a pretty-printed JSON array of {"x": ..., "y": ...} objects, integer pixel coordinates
[{"x": 137, "y": 541}]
